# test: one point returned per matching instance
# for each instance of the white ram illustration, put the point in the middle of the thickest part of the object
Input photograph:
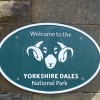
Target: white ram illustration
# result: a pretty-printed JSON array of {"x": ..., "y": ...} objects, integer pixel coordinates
[{"x": 50, "y": 59}]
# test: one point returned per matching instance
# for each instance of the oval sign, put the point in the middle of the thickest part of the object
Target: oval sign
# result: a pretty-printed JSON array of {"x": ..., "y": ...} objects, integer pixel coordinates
[{"x": 49, "y": 58}]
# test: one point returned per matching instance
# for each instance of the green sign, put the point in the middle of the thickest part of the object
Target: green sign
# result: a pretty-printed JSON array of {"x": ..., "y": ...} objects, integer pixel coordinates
[{"x": 49, "y": 58}]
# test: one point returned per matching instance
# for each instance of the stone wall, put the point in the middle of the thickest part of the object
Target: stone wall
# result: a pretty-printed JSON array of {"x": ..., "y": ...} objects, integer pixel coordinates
[{"x": 83, "y": 14}]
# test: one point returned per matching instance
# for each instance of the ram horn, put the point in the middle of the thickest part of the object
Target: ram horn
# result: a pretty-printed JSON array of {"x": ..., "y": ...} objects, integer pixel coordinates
[
  {"x": 36, "y": 51},
  {"x": 62, "y": 56}
]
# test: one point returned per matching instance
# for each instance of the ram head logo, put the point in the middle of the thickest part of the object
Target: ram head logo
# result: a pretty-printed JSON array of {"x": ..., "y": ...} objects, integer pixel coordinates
[{"x": 50, "y": 59}]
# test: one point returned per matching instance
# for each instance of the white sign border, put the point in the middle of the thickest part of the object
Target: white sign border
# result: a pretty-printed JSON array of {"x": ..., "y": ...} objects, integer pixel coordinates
[{"x": 50, "y": 92}]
